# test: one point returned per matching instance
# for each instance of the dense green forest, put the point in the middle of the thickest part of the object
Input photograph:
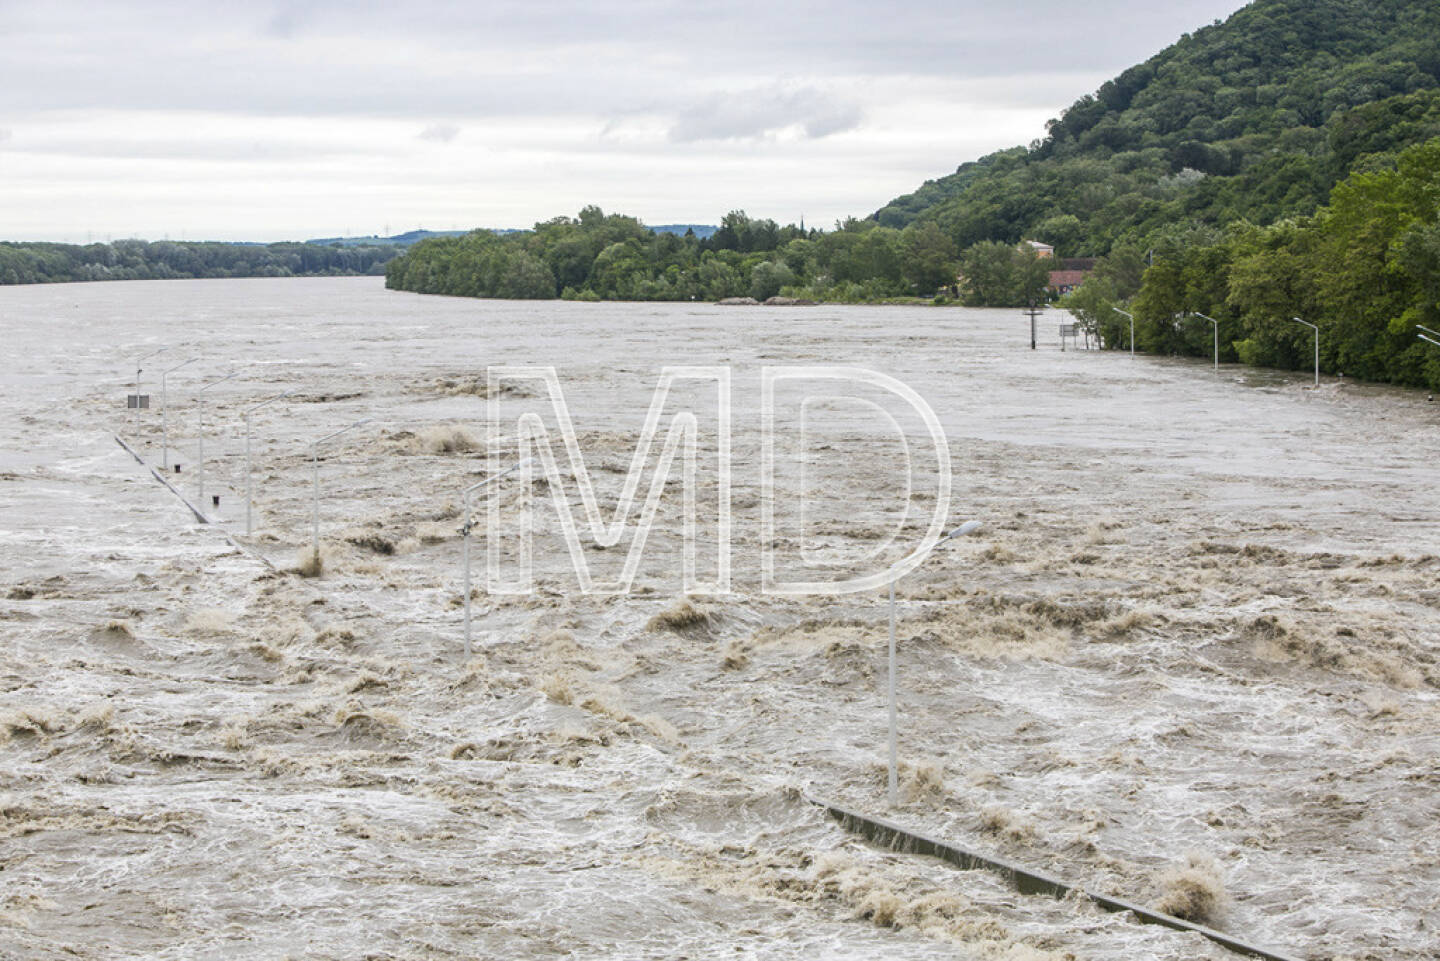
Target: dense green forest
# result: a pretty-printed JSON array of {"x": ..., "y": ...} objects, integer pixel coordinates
[
  {"x": 599, "y": 256},
  {"x": 1365, "y": 268},
  {"x": 41, "y": 263}
]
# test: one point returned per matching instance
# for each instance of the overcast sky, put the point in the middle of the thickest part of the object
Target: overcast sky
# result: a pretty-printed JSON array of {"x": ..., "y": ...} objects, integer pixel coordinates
[{"x": 291, "y": 120}]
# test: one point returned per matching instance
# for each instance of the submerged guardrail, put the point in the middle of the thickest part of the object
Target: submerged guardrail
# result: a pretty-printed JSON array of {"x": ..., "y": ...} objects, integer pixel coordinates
[
  {"x": 1024, "y": 880},
  {"x": 199, "y": 515}
]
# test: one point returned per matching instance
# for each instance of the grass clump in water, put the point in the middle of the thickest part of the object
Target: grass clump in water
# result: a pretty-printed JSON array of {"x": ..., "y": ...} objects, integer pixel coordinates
[
  {"x": 1195, "y": 892},
  {"x": 447, "y": 439},
  {"x": 686, "y": 615}
]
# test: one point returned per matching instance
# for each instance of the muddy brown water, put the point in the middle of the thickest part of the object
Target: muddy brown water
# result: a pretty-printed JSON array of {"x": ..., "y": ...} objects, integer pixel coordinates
[{"x": 1190, "y": 659}]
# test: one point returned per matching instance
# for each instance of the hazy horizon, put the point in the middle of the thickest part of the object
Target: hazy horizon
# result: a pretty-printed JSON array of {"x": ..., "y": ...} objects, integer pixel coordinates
[{"x": 293, "y": 121}]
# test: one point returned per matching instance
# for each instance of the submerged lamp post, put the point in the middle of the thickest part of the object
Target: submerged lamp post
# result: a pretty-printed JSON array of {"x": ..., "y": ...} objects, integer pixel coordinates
[
  {"x": 315, "y": 477},
  {"x": 1216, "y": 324},
  {"x": 1132, "y": 327},
  {"x": 249, "y": 479},
  {"x": 892, "y": 782},
  {"x": 138, "y": 368},
  {"x": 1315, "y": 328},
  {"x": 465, "y": 536},
  {"x": 201, "y": 466},
  {"x": 165, "y": 414}
]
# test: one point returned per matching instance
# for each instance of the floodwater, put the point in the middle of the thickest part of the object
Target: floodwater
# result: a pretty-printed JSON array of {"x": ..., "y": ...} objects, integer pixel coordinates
[{"x": 1190, "y": 659}]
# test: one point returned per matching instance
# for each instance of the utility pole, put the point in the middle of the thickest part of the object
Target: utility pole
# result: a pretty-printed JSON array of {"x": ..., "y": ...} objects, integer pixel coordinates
[{"x": 1034, "y": 312}]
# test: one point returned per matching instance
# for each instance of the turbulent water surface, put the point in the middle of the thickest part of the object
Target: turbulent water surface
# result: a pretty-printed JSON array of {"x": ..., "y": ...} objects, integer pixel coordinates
[{"x": 1189, "y": 660}]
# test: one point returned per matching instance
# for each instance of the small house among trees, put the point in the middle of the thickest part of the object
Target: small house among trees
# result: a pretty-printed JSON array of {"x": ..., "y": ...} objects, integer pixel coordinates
[{"x": 1064, "y": 281}]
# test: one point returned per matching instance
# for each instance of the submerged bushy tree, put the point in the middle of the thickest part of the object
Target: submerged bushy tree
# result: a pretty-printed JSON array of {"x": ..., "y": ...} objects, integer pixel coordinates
[{"x": 996, "y": 274}]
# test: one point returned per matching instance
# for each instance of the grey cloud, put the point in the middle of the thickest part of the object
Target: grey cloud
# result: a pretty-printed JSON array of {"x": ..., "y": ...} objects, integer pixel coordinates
[
  {"x": 282, "y": 25},
  {"x": 951, "y": 37},
  {"x": 760, "y": 112},
  {"x": 1036, "y": 91},
  {"x": 4, "y": 134},
  {"x": 39, "y": 79},
  {"x": 440, "y": 132},
  {"x": 453, "y": 58},
  {"x": 212, "y": 151},
  {"x": 527, "y": 79}
]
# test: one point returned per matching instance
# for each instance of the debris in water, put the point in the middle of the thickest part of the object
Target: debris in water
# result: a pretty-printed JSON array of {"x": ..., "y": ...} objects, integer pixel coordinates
[
  {"x": 1195, "y": 892},
  {"x": 311, "y": 562}
]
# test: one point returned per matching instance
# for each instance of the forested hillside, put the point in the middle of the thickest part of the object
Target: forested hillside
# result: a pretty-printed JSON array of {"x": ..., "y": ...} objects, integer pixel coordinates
[
  {"x": 1256, "y": 118},
  {"x": 1284, "y": 163}
]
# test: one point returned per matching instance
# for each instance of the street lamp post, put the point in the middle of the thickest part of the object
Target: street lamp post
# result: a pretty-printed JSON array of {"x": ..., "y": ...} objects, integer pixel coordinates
[
  {"x": 465, "y": 536},
  {"x": 892, "y": 781},
  {"x": 1317, "y": 346},
  {"x": 315, "y": 477},
  {"x": 249, "y": 478},
  {"x": 1216, "y": 324},
  {"x": 165, "y": 414},
  {"x": 1132, "y": 327},
  {"x": 201, "y": 466},
  {"x": 138, "y": 369}
]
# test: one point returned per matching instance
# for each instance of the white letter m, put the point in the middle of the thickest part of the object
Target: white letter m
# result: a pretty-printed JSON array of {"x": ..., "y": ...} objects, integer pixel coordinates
[{"x": 534, "y": 443}]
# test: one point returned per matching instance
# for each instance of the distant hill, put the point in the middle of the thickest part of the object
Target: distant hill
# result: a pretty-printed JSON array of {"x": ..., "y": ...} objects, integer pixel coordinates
[
  {"x": 1255, "y": 118},
  {"x": 702, "y": 231},
  {"x": 398, "y": 240}
]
